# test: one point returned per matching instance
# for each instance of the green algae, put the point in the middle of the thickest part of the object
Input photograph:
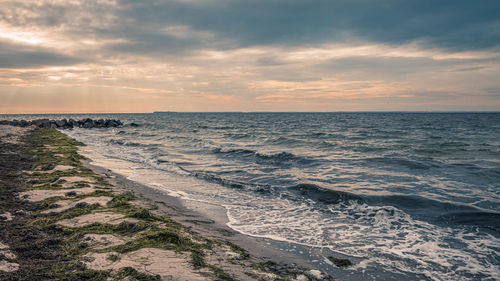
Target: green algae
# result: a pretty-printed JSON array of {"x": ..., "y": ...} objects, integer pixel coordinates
[
  {"x": 113, "y": 257},
  {"x": 133, "y": 274}
]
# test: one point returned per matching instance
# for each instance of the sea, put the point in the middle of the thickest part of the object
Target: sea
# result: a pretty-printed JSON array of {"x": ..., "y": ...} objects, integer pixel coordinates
[{"x": 404, "y": 196}]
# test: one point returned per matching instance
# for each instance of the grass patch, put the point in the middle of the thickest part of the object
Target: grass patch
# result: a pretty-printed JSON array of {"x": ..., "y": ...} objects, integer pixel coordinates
[
  {"x": 221, "y": 275},
  {"x": 198, "y": 258},
  {"x": 133, "y": 274},
  {"x": 224, "y": 232},
  {"x": 198, "y": 222},
  {"x": 76, "y": 212},
  {"x": 164, "y": 239},
  {"x": 73, "y": 246},
  {"x": 144, "y": 214},
  {"x": 129, "y": 228},
  {"x": 77, "y": 271},
  {"x": 122, "y": 201},
  {"x": 113, "y": 257},
  {"x": 243, "y": 254},
  {"x": 40, "y": 139}
]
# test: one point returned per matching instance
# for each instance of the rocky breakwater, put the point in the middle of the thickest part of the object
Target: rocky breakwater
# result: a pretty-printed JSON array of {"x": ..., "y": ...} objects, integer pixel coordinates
[{"x": 65, "y": 123}]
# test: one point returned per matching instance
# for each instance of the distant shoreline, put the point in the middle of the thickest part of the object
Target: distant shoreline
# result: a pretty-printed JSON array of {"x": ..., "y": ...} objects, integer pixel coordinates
[{"x": 252, "y": 112}]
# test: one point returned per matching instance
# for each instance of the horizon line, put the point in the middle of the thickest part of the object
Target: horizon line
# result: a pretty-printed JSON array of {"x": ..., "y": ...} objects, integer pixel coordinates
[{"x": 357, "y": 111}]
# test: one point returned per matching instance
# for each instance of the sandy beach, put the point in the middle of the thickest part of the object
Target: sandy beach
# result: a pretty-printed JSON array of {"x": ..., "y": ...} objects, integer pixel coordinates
[{"x": 63, "y": 218}]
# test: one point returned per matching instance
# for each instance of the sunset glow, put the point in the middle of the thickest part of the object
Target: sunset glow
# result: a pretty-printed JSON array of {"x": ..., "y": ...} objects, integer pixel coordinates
[{"x": 127, "y": 56}]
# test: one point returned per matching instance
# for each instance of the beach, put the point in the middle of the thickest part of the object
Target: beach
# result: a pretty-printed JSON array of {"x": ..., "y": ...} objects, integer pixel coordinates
[
  {"x": 63, "y": 218},
  {"x": 304, "y": 194}
]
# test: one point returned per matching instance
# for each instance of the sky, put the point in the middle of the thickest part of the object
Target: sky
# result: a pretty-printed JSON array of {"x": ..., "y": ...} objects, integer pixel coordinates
[{"x": 76, "y": 56}]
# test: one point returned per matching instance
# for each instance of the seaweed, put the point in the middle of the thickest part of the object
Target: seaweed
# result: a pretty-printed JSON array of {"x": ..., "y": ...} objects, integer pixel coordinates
[
  {"x": 113, "y": 257},
  {"x": 243, "y": 254},
  {"x": 133, "y": 274}
]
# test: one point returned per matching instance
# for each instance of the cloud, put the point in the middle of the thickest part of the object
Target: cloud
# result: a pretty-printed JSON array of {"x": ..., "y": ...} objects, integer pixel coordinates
[
  {"x": 253, "y": 52},
  {"x": 151, "y": 27},
  {"x": 455, "y": 25},
  {"x": 22, "y": 56}
]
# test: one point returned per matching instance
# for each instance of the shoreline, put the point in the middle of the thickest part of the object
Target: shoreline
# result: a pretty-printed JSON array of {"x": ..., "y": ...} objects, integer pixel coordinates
[
  {"x": 211, "y": 225},
  {"x": 103, "y": 231}
]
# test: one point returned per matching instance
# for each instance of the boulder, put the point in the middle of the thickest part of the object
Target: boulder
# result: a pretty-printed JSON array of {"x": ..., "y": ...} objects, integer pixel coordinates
[
  {"x": 66, "y": 124},
  {"x": 112, "y": 123},
  {"x": 88, "y": 124},
  {"x": 40, "y": 122},
  {"x": 61, "y": 123},
  {"x": 100, "y": 123},
  {"x": 24, "y": 123}
]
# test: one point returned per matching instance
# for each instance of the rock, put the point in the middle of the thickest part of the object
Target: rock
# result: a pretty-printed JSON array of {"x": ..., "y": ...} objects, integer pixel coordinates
[
  {"x": 115, "y": 123},
  {"x": 71, "y": 194},
  {"x": 340, "y": 262},
  {"x": 73, "y": 123},
  {"x": 53, "y": 124},
  {"x": 61, "y": 123},
  {"x": 81, "y": 205},
  {"x": 66, "y": 124},
  {"x": 24, "y": 123},
  {"x": 133, "y": 125},
  {"x": 100, "y": 123},
  {"x": 48, "y": 167},
  {"x": 88, "y": 125},
  {"x": 40, "y": 122}
]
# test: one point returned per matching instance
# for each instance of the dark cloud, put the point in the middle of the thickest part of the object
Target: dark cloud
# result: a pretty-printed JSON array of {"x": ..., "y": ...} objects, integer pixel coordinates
[
  {"x": 472, "y": 68},
  {"x": 495, "y": 90},
  {"x": 21, "y": 56},
  {"x": 455, "y": 25},
  {"x": 402, "y": 65}
]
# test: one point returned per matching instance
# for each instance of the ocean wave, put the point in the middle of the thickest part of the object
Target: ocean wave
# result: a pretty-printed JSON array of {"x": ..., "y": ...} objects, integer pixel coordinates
[
  {"x": 439, "y": 212},
  {"x": 239, "y": 135},
  {"x": 279, "y": 158},
  {"x": 126, "y": 143},
  {"x": 454, "y": 144},
  {"x": 281, "y": 140},
  {"x": 207, "y": 127},
  {"x": 323, "y": 195},
  {"x": 210, "y": 177},
  {"x": 131, "y": 133},
  {"x": 483, "y": 219},
  {"x": 401, "y": 162}
]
